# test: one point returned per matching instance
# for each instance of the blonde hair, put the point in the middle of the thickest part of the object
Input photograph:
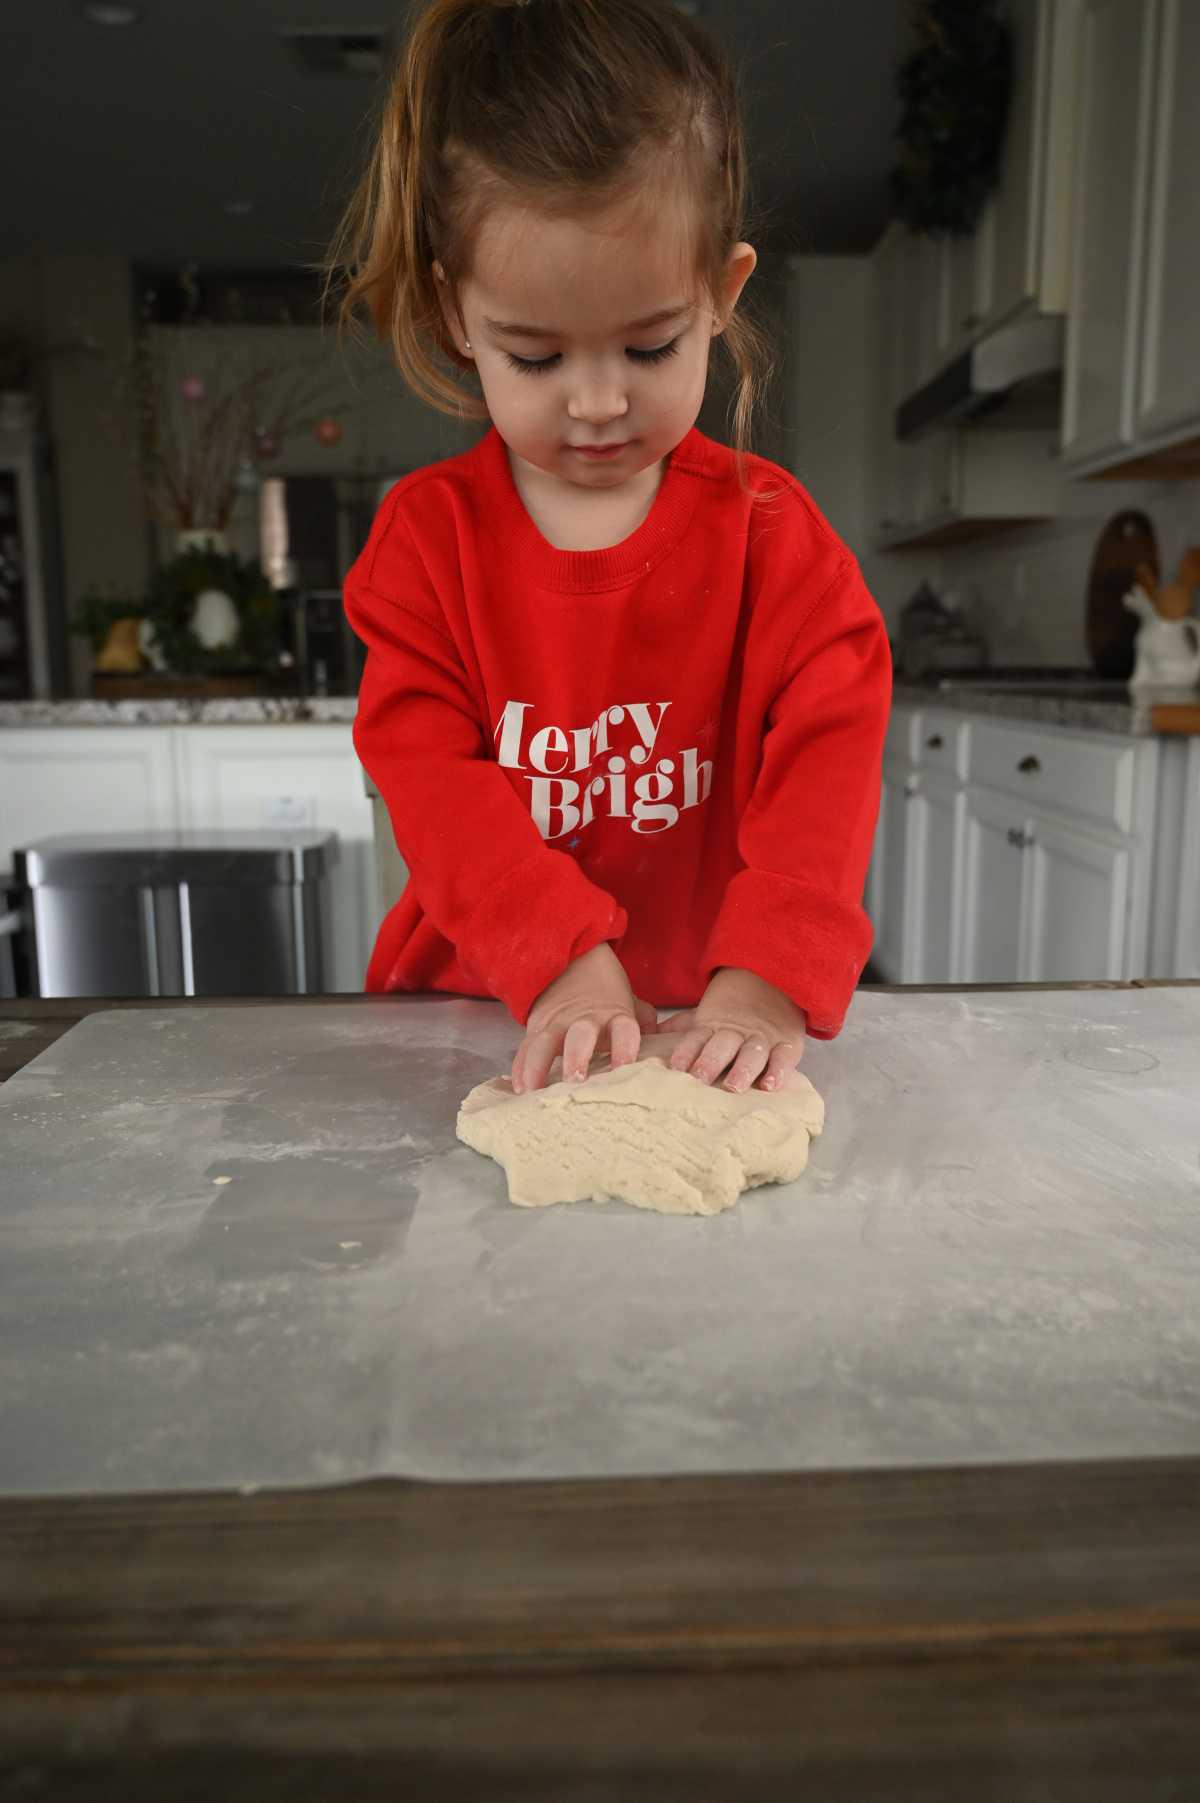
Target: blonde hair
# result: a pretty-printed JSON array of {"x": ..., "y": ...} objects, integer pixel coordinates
[{"x": 565, "y": 105}]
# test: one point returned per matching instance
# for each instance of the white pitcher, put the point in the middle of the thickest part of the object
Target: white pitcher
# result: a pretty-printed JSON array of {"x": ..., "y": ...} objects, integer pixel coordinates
[{"x": 1168, "y": 651}]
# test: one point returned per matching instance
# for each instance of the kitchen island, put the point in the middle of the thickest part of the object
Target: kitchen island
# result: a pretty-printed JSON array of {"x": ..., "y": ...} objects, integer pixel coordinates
[{"x": 1028, "y": 1626}]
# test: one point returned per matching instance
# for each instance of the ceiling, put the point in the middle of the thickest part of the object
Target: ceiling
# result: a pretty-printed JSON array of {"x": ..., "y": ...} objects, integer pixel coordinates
[{"x": 137, "y": 140}]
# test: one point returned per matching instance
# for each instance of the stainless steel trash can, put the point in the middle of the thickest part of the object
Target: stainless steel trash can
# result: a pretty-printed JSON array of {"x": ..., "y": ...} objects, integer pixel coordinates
[{"x": 191, "y": 913}]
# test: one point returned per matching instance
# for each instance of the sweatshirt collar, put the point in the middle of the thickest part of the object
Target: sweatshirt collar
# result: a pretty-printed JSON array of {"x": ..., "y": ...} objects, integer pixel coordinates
[{"x": 615, "y": 566}]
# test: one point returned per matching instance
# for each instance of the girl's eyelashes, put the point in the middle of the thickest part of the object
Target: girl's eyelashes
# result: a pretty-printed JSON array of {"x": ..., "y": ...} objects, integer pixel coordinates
[{"x": 539, "y": 367}]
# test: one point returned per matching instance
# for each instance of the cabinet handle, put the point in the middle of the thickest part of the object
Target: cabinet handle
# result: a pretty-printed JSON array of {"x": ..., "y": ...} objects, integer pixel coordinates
[
  {"x": 910, "y": 788},
  {"x": 1029, "y": 766},
  {"x": 936, "y": 742},
  {"x": 1015, "y": 837}
]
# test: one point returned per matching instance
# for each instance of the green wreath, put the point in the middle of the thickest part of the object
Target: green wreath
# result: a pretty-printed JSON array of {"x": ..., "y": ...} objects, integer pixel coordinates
[
  {"x": 954, "y": 90},
  {"x": 172, "y": 599}
]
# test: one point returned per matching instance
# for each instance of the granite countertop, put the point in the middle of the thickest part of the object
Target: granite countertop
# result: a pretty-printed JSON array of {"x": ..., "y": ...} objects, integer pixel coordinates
[
  {"x": 240, "y": 711},
  {"x": 1113, "y": 713}
]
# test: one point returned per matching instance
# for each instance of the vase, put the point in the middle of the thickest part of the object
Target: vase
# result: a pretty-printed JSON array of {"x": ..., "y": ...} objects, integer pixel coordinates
[{"x": 202, "y": 538}]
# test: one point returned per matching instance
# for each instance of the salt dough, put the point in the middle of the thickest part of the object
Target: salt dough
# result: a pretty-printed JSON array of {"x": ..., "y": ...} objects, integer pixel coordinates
[{"x": 643, "y": 1134}]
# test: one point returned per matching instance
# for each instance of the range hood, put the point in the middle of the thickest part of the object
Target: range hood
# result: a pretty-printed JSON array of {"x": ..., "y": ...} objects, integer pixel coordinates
[{"x": 1014, "y": 374}]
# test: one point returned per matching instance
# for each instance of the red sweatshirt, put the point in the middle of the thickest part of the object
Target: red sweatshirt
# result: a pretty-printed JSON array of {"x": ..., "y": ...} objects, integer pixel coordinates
[{"x": 672, "y": 744}]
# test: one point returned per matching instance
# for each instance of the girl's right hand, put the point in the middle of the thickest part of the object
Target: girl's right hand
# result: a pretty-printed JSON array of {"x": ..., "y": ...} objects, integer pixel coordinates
[{"x": 589, "y": 1008}]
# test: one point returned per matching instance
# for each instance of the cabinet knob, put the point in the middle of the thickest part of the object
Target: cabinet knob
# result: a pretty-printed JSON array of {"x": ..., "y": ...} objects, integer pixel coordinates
[
  {"x": 1029, "y": 766},
  {"x": 910, "y": 788},
  {"x": 936, "y": 742}
]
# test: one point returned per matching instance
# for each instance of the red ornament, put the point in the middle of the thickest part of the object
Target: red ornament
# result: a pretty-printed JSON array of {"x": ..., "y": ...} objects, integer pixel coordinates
[
  {"x": 192, "y": 388},
  {"x": 328, "y": 432}
]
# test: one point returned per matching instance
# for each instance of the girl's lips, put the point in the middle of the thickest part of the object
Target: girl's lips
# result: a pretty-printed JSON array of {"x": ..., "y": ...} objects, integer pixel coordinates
[{"x": 608, "y": 450}]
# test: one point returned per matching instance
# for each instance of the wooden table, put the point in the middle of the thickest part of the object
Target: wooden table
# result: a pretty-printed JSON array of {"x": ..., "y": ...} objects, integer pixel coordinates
[{"x": 984, "y": 1633}]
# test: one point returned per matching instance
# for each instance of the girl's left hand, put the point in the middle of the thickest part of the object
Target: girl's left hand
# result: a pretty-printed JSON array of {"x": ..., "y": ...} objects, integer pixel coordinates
[{"x": 743, "y": 1025}]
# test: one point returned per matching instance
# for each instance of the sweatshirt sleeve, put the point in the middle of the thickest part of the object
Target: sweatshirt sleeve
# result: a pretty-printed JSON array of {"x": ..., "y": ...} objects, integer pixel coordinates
[
  {"x": 794, "y": 915},
  {"x": 517, "y": 912}
]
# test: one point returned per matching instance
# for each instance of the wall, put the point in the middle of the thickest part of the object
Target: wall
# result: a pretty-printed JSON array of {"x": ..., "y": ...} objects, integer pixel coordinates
[
  {"x": 1033, "y": 580},
  {"x": 831, "y": 406}
]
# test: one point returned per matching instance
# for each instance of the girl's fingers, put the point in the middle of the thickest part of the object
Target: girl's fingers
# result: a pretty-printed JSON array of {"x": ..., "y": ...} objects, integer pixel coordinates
[
  {"x": 578, "y": 1047},
  {"x": 624, "y": 1038},
  {"x": 540, "y": 1050},
  {"x": 721, "y": 1050},
  {"x": 678, "y": 1023},
  {"x": 783, "y": 1060},
  {"x": 689, "y": 1048},
  {"x": 749, "y": 1064}
]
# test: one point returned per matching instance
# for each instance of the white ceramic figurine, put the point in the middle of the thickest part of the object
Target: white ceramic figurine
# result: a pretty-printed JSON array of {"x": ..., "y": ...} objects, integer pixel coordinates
[{"x": 1168, "y": 639}]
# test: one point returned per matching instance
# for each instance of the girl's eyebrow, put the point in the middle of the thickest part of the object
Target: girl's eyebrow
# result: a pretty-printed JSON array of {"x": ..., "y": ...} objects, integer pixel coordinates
[{"x": 514, "y": 329}]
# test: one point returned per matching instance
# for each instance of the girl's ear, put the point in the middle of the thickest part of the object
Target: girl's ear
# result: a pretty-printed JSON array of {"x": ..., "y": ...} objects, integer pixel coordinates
[
  {"x": 738, "y": 270},
  {"x": 454, "y": 324}
]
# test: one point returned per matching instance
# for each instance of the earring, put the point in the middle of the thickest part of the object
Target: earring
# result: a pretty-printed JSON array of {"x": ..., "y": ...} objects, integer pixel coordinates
[{"x": 467, "y": 342}]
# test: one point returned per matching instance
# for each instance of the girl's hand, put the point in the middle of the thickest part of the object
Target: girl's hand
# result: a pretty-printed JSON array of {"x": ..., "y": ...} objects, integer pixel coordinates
[
  {"x": 589, "y": 1008},
  {"x": 742, "y": 1025}
]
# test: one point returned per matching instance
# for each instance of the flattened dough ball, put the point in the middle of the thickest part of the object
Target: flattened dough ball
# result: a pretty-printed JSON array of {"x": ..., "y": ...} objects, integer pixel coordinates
[{"x": 643, "y": 1134}]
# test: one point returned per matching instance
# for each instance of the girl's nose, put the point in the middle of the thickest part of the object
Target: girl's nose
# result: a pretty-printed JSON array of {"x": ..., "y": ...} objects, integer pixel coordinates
[{"x": 597, "y": 397}]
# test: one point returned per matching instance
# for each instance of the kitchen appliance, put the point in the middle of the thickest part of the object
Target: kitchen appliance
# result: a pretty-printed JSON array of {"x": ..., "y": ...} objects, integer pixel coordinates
[
  {"x": 936, "y": 638},
  {"x": 1013, "y": 376}
]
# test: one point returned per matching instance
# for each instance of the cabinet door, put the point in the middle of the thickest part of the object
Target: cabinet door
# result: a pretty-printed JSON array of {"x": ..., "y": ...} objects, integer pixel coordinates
[
  {"x": 1108, "y": 249},
  {"x": 79, "y": 779},
  {"x": 893, "y": 925},
  {"x": 1170, "y": 384},
  {"x": 935, "y": 814},
  {"x": 1034, "y": 196},
  {"x": 993, "y": 883},
  {"x": 1078, "y": 905}
]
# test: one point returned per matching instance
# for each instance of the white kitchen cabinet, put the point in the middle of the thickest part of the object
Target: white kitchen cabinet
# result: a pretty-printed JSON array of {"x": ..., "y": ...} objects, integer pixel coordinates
[
  {"x": 83, "y": 779},
  {"x": 1169, "y": 397},
  {"x": 913, "y": 892},
  {"x": 935, "y": 822},
  {"x": 1077, "y": 913},
  {"x": 1033, "y": 198},
  {"x": 1187, "y": 924},
  {"x": 958, "y": 479},
  {"x": 993, "y": 890},
  {"x": 1132, "y": 387},
  {"x": 1023, "y": 853},
  {"x": 893, "y": 916},
  {"x": 1116, "y": 90}
]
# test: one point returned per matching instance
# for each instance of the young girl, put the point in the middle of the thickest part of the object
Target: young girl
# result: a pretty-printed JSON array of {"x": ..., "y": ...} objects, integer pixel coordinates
[{"x": 625, "y": 690}]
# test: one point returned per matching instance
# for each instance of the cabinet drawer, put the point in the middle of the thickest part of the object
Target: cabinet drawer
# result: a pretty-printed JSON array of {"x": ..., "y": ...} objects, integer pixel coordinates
[
  {"x": 941, "y": 742},
  {"x": 1077, "y": 774}
]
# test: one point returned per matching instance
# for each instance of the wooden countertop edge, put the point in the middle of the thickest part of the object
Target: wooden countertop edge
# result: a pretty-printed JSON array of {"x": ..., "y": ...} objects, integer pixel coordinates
[{"x": 373, "y": 1581}]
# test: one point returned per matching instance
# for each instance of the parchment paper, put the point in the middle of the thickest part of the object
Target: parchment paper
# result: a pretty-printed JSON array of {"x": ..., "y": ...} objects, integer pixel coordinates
[{"x": 241, "y": 1247}]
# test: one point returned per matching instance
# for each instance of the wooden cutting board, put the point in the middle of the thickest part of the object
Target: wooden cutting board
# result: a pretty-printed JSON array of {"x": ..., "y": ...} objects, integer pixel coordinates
[{"x": 1126, "y": 541}]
